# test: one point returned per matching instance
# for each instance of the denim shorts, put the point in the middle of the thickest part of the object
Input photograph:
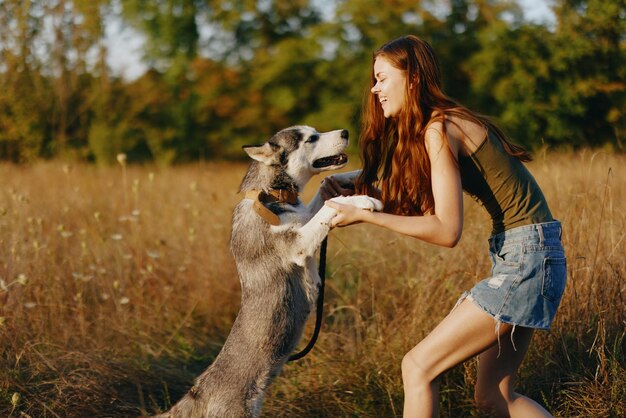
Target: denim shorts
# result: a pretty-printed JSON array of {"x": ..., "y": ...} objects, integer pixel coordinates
[{"x": 528, "y": 276}]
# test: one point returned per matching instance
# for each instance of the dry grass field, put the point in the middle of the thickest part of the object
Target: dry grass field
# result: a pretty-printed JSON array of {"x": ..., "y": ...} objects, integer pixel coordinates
[{"x": 117, "y": 288}]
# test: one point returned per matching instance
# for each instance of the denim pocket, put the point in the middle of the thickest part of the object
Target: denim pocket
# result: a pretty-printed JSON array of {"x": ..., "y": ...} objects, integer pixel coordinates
[
  {"x": 509, "y": 255},
  {"x": 554, "y": 275}
]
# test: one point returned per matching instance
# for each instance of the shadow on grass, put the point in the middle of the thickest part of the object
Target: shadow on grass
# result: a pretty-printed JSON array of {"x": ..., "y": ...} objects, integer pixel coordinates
[
  {"x": 97, "y": 384},
  {"x": 568, "y": 373}
]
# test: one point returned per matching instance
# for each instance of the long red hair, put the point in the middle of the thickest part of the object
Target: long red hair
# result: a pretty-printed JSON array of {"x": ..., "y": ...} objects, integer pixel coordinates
[{"x": 396, "y": 167}]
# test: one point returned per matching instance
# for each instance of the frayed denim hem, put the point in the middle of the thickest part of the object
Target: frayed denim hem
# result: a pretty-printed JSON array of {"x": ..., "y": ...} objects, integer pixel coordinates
[{"x": 498, "y": 321}]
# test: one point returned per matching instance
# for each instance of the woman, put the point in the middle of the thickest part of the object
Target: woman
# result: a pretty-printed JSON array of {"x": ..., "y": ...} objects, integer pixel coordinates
[{"x": 420, "y": 151}]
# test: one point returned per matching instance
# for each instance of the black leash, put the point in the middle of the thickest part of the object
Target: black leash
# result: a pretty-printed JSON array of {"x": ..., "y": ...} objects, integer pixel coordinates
[{"x": 320, "y": 306}]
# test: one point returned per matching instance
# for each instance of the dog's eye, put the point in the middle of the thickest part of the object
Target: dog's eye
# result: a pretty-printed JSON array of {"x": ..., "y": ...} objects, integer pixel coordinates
[{"x": 312, "y": 138}]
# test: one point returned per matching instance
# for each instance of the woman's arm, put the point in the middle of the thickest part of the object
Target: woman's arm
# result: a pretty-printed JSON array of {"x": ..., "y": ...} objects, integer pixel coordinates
[{"x": 445, "y": 225}]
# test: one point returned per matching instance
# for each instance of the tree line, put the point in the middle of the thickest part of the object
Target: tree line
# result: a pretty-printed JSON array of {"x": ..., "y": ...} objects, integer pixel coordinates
[{"x": 224, "y": 73}]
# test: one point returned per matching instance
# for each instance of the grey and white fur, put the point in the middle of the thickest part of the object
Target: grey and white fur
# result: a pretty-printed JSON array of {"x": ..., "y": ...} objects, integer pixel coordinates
[{"x": 277, "y": 270}]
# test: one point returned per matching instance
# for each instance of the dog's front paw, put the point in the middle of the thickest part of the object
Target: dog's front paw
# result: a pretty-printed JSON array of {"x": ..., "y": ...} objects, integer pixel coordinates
[{"x": 360, "y": 201}]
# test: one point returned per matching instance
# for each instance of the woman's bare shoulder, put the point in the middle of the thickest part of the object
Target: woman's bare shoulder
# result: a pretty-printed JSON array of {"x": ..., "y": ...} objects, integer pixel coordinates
[
  {"x": 467, "y": 133},
  {"x": 437, "y": 138}
]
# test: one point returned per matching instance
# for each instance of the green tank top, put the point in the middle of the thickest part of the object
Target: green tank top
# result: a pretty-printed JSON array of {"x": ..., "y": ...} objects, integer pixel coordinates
[{"x": 504, "y": 186}]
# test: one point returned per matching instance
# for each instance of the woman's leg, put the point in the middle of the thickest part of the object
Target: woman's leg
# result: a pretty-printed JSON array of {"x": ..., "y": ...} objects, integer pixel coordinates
[
  {"x": 496, "y": 378},
  {"x": 465, "y": 332}
]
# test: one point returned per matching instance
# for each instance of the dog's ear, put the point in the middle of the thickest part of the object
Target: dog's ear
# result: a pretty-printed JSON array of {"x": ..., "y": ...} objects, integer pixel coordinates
[{"x": 267, "y": 153}]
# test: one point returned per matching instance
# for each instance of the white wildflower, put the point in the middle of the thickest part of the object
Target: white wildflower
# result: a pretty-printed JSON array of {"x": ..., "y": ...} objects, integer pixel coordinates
[
  {"x": 82, "y": 277},
  {"x": 15, "y": 399},
  {"x": 21, "y": 279},
  {"x": 153, "y": 254}
]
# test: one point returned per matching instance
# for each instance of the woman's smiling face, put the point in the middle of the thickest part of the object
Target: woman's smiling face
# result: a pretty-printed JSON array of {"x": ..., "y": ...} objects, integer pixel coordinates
[{"x": 390, "y": 86}]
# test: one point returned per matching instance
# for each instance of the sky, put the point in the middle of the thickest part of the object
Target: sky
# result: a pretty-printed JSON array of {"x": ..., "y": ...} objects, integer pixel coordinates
[
  {"x": 537, "y": 10},
  {"x": 125, "y": 44}
]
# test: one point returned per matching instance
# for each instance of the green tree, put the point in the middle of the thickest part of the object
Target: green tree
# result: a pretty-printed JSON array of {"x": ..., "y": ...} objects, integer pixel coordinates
[
  {"x": 46, "y": 76},
  {"x": 276, "y": 56},
  {"x": 24, "y": 93},
  {"x": 170, "y": 29},
  {"x": 589, "y": 59},
  {"x": 171, "y": 45},
  {"x": 512, "y": 80},
  {"x": 77, "y": 28},
  {"x": 561, "y": 87},
  {"x": 224, "y": 73}
]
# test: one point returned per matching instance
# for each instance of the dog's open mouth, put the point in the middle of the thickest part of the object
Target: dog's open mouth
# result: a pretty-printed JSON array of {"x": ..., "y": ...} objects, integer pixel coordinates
[{"x": 338, "y": 159}]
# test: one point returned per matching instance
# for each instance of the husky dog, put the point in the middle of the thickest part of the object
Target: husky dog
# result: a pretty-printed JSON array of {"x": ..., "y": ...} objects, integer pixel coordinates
[{"x": 274, "y": 240}]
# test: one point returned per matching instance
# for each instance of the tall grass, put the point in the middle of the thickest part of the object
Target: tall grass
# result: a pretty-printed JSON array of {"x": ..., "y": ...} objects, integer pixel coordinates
[{"x": 118, "y": 288}]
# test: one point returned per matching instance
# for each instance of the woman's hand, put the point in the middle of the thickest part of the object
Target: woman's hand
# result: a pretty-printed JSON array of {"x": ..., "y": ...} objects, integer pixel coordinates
[
  {"x": 332, "y": 188},
  {"x": 346, "y": 214}
]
